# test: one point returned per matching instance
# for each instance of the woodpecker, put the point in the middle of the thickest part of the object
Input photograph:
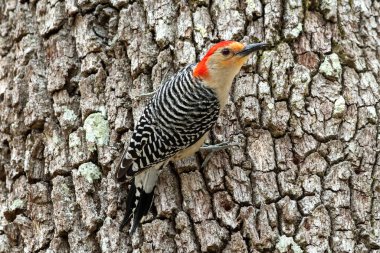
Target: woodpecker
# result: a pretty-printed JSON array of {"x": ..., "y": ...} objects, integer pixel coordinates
[{"x": 177, "y": 120}]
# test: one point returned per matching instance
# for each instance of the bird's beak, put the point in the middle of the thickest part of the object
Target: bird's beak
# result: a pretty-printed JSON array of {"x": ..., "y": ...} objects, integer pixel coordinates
[{"x": 251, "y": 48}]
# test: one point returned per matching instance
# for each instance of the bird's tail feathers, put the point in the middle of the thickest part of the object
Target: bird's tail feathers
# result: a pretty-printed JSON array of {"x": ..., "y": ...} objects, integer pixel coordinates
[
  {"x": 140, "y": 197},
  {"x": 123, "y": 167}
]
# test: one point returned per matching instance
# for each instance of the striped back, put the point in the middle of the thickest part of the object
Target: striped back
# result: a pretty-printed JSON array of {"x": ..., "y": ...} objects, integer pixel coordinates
[{"x": 182, "y": 110}]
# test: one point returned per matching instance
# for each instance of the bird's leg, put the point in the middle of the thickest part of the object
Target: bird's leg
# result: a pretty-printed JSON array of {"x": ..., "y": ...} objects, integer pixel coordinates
[{"x": 214, "y": 148}]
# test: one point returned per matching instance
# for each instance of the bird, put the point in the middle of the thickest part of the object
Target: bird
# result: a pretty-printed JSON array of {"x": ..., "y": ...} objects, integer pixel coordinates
[{"x": 177, "y": 120}]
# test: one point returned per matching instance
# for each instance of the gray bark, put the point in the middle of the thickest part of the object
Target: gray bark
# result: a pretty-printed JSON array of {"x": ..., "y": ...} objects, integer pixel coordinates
[{"x": 305, "y": 113}]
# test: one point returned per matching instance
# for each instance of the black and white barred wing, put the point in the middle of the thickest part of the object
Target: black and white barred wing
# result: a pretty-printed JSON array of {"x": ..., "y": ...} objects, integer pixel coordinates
[{"x": 178, "y": 115}]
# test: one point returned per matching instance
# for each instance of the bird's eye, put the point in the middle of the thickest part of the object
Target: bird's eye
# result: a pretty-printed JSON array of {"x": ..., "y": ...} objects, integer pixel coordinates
[{"x": 225, "y": 51}]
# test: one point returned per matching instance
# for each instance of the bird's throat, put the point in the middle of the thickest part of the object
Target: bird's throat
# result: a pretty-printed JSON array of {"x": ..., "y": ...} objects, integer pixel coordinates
[
  {"x": 218, "y": 79},
  {"x": 221, "y": 89}
]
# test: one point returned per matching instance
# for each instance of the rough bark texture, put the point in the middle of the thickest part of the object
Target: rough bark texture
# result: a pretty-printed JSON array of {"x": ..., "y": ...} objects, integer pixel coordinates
[{"x": 305, "y": 113}]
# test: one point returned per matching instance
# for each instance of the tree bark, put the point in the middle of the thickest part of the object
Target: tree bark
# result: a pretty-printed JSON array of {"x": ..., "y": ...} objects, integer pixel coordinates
[{"x": 305, "y": 176}]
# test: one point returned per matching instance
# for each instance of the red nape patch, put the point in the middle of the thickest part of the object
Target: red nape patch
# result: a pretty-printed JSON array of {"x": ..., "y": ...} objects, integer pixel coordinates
[{"x": 201, "y": 70}]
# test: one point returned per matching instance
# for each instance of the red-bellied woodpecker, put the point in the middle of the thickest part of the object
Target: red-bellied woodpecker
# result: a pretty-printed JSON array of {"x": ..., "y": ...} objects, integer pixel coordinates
[{"x": 176, "y": 121}]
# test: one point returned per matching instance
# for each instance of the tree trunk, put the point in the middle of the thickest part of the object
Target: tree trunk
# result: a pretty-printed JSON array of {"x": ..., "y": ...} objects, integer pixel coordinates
[{"x": 305, "y": 176}]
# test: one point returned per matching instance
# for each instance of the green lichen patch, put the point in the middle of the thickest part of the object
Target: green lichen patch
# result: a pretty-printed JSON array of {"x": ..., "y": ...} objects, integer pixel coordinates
[
  {"x": 90, "y": 172},
  {"x": 285, "y": 243},
  {"x": 17, "y": 204},
  {"x": 293, "y": 33},
  {"x": 69, "y": 115},
  {"x": 103, "y": 111},
  {"x": 74, "y": 140},
  {"x": 97, "y": 129},
  {"x": 201, "y": 30},
  {"x": 331, "y": 67},
  {"x": 371, "y": 114},
  {"x": 339, "y": 107}
]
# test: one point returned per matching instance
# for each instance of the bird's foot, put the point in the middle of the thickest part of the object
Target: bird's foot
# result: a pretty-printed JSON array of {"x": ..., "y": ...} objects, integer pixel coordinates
[
  {"x": 219, "y": 146},
  {"x": 214, "y": 148}
]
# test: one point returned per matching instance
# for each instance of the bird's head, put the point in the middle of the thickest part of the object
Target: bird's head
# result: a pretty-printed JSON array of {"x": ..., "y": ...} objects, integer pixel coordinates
[{"x": 224, "y": 60}]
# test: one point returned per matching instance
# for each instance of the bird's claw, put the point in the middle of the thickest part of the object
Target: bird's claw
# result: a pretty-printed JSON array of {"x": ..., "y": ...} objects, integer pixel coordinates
[
  {"x": 214, "y": 148},
  {"x": 145, "y": 95},
  {"x": 219, "y": 146},
  {"x": 150, "y": 94}
]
